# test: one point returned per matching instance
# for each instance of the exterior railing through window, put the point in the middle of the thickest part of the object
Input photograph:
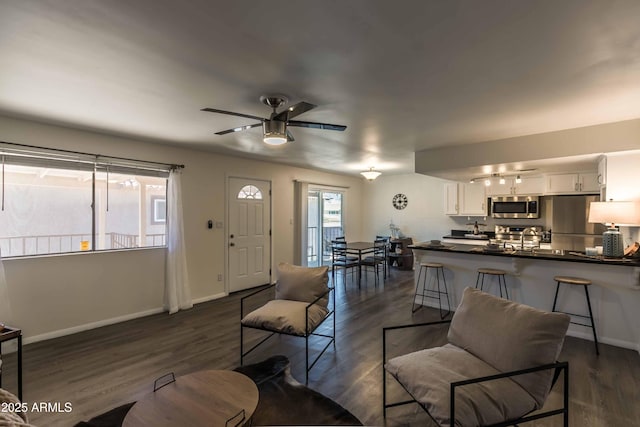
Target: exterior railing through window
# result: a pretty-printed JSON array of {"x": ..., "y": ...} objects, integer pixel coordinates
[
  {"x": 328, "y": 234},
  {"x": 64, "y": 243}
]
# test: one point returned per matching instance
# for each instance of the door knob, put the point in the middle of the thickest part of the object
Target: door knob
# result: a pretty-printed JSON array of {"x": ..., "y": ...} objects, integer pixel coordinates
[
  {"x": 231, "y": 236},
  {"x": 232, "y": 244}
]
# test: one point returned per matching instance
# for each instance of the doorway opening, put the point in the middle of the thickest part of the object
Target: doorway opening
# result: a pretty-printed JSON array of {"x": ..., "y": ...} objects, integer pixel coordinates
[{"x": 325, "y": 222}]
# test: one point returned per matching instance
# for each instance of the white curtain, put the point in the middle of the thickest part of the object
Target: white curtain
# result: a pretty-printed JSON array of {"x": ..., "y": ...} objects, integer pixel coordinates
[
  {"x": 177, "y": 295},
  {"x": 6, "y": 316},
  {"x": 300, "y": 235}
]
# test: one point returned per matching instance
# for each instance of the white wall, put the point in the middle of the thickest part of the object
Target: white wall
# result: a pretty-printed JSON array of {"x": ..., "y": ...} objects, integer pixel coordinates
[
  {"x": 423, "y": 218},
  {"x": 589, "y": 140},
  {"x": 54, "y": 295}
]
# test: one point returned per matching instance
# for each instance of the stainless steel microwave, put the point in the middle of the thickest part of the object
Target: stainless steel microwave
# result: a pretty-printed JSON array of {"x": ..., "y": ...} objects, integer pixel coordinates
[{"x": 515, "y": 207}]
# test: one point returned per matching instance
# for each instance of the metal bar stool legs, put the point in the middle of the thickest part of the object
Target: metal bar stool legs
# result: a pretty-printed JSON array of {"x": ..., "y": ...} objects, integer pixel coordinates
[
  {"x": 576, "y": 281},
  {"x": 431, "y": 293},
  {"x": 493, "y": 272}
]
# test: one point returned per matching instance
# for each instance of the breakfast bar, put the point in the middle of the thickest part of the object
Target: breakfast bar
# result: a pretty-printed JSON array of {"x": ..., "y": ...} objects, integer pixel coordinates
[{"x": 615, "y": 294}]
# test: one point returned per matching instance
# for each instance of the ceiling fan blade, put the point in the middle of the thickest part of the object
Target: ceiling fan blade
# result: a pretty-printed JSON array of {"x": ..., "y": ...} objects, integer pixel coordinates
[
  {"x": 238, "y": 129},
  {"x": 289, "y": 136},
  {"x": 293, "y": 111},
  {"x": 314, "y": 125},
  {"x": 231, "y": 113}
]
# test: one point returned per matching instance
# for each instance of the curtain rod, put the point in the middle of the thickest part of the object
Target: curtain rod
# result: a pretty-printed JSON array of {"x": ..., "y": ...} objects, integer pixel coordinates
[
  {"x": 171, "y": 165},
  {"x": 318, "y": 183}
]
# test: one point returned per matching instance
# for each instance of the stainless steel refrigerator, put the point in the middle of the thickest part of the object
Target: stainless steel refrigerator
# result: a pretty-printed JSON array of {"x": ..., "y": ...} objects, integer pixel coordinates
[{"x": 570, "y": 228}]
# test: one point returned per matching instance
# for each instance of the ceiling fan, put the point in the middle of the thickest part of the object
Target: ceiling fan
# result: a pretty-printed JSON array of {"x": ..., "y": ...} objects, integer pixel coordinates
[{"x": 274, "y": 128}]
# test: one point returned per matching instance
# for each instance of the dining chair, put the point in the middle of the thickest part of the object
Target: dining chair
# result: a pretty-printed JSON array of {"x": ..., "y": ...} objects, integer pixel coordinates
[
  {"x": 340, "y": 259},
  {"x": 387, "y": 248},
  {"x": 376, "y": 260}
]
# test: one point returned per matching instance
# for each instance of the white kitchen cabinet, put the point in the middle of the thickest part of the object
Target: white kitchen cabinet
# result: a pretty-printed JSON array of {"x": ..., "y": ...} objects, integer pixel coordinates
[
  {"x": 590, "y": 182},
  {"x": 602, "y": 171},
  {"x": 528, "y": 185},
  {"x": 472, "y": 199},
  {"x": 621, "y": 170},
  {"x": 464, "y": 199},
  {"x": 451, "y": 198},
  {"x": 573, "y": 183}
]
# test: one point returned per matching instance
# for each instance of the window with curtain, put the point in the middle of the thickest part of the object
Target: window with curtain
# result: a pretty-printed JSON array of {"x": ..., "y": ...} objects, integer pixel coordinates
[{"x": 56, "y": 202}]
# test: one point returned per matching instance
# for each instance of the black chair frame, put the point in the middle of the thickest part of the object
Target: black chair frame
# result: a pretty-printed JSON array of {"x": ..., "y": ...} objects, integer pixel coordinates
[
  {"x": 340, "y": 258},
  {"x": 387, "y": 244},
  {"x": 377, "y": 259},
  {"x": 308, "y": 333},
  {"x": 559, "y": 367}
]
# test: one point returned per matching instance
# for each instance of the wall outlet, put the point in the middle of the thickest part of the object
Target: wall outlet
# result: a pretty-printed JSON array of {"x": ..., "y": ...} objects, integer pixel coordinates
[{"x": 219, "y": 277}]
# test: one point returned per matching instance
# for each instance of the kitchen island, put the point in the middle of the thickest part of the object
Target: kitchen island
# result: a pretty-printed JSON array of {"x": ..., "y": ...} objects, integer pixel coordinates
[{"x": 615, "y": 293}]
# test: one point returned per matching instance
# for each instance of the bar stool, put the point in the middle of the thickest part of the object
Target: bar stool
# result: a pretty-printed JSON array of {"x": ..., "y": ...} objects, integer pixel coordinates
[
  {"x": 577, "y": 281},
  {"x": 493, "y": 272},
  {"x": 438, "y": 269}
]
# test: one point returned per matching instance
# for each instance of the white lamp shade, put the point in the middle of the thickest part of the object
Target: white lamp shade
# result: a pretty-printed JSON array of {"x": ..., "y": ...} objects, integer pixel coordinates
[
  {"x": 619, "y": 213},
  {"x": 370, "y": 175}
]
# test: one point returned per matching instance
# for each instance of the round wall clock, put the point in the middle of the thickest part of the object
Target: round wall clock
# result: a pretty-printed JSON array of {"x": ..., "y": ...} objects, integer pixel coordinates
[{"x": 400, "y": 201}]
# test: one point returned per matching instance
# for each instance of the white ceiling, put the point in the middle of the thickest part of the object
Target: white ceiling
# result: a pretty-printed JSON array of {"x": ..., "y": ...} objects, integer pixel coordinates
[{"x": 402, "y": 75}]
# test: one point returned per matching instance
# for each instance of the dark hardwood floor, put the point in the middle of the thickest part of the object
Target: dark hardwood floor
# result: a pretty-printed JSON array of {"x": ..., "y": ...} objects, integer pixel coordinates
[{"x": 106, "y": 367}]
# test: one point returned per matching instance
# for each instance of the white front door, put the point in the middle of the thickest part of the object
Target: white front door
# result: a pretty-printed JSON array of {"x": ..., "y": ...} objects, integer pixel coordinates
[{"x": 249, "y": 238}]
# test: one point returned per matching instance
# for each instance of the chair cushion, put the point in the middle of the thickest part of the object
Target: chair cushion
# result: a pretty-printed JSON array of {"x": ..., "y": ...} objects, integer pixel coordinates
[
  {"x": 298, "y": 283},
  {"x": 510, "y": 336},
  {"x": 427, "y": 375},
  {"x": 285, "y": 316}
]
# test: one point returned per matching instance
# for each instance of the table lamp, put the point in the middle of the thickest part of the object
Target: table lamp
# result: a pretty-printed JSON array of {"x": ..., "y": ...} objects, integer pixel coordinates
[{"x": 614, "y": 214}]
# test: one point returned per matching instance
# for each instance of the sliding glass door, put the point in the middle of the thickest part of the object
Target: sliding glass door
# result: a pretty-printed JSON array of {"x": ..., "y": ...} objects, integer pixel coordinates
[{"x": 324, "y": 223}]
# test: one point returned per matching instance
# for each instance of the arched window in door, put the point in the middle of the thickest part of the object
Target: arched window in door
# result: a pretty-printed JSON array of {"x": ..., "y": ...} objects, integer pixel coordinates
[{"x": 250, "y": 192}]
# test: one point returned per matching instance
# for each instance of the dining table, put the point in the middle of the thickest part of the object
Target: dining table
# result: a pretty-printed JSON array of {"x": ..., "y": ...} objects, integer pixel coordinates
[{"x": 360, "y": 249}]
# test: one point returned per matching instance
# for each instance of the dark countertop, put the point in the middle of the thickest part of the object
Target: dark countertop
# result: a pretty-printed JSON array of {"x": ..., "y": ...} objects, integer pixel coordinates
[
  {"x": 527, "y": 254},
  {"x": 477, "y": 237}
]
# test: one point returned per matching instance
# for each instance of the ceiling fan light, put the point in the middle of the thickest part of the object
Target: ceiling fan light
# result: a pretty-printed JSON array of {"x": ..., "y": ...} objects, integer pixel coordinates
[
  {"x": 518, "y": 179},
  {"x": 275, "y": 139},
  {"x": 275, "y": 132},
  {"x": 370, "y": 175}
]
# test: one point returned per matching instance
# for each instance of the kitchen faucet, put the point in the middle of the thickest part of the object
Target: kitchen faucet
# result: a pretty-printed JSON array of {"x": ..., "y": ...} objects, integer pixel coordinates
[{"x": 530, "y": 230}]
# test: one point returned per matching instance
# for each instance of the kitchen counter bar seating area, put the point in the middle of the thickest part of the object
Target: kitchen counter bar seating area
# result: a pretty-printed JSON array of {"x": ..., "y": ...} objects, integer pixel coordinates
[{"x": 615, "y": 289}]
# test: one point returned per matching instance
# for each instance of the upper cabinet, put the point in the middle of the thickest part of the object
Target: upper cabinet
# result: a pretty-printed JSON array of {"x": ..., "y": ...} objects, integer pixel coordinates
[
  {"x": 472, "y": 198},
  {"x": 572, "y": 183},
  {"x": 465, "y": 199},
  {"x": 451, "y": 206},
  {"x": 621, "y": 183},
  {"x": 527, "y": 185},
  {"x": 602, "y": 171}
]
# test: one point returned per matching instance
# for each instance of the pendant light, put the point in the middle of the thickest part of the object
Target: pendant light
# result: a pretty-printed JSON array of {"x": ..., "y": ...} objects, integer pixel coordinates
[{"x": 370, "y": 174}]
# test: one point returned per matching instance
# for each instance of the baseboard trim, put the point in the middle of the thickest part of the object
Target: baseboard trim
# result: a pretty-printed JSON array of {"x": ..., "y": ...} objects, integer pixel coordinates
[
  {"x": 604, "y": 340},
  {"x": 93, "y": 325},
  {"x": 210, "y": 298},
  {"x": 106, "y": 322}
]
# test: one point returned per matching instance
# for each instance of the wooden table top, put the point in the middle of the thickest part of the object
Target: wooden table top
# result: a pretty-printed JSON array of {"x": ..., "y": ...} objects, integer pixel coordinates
[{"x": 203, "y": 398}]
